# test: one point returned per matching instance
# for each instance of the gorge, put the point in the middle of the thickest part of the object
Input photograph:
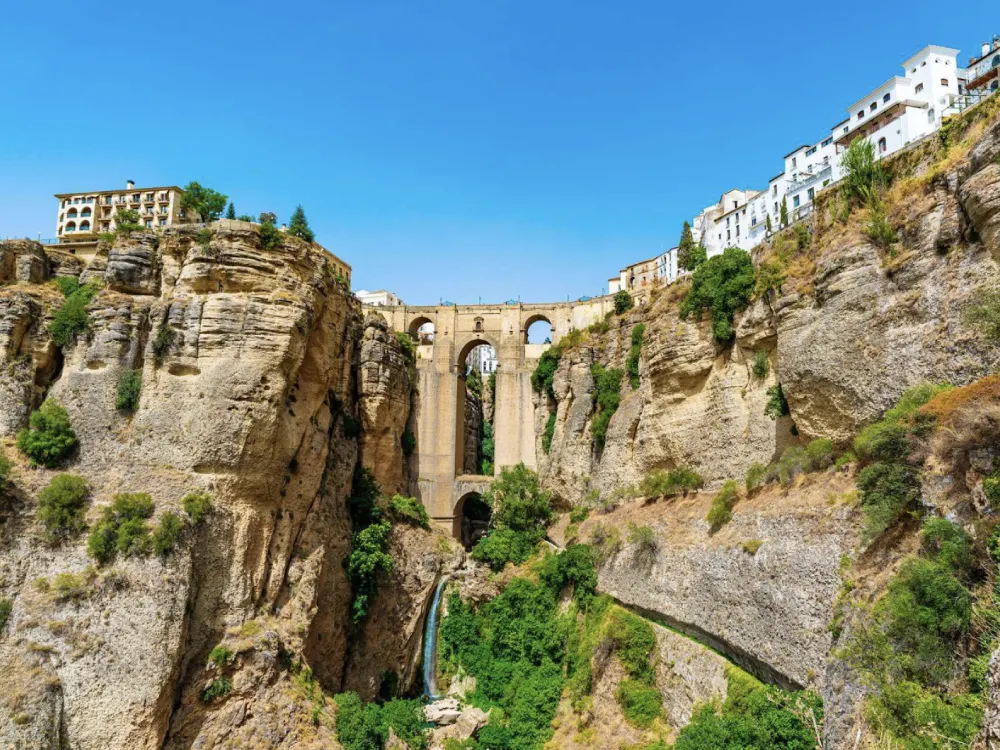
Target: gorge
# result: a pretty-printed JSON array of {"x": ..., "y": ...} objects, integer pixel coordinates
[{"x": 269, "y": 503}]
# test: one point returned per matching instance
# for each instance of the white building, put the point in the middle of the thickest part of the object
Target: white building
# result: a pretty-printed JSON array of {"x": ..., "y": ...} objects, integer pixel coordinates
[
  {"x": 982, "y": 77},
  {"x": 666, "y": 265},
  {"x": 483, "y": 358},
  {"x": 381, "y": 298}
]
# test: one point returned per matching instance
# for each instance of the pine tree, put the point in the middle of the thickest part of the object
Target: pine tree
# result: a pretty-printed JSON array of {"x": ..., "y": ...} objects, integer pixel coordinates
[
  {"x": 767, "y": 224},
  {"x": 784, "y": 211},
  {"x": 689, "y": 255},
  {"x": 231, "y": 211},
  {"x": 298, "y": 226}
]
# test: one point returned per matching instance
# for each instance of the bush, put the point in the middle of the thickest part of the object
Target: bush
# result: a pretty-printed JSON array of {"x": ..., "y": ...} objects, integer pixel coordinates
[
  {"x": 196, "y": 505},
  {"x": 408, "y": 442},
  {"x": 6, "y": 607},
  {"x": 660, "y": 483},
  {"x": 642, "y": 704},
  {"x": 643, "y": 538},
  {"x": 129, "y": 388},
  {"x": 545, "y": 371},
  {"x": 203, "y": 237},
  {"x": 217, "y": 688},
  {"x": 755, "y": 477},
  {"x": 270, "y": 235},
  {"x": 166, "y": 533},
  {"x": 502, "y": 546},
  {"x": 221, "y": 657},
  {"x": 550, "y": 429},
  {"x": 623, "y": 302},
  {"x": 776, "y": 406},
  {"x": 579, "y": 514},
  {"x": 359, "y": 726},
  {"x": 605, "y": 541},
  {"x": 819, "y": 454},
  {"x": 607, "y": 387},
  {"x": 721, "y": 511},
  {"x": 72, "y": 318},
  {"x": 877, "y": 226},
  {"x": 632, "y": 362},
  {"x": 518, "y": 501},
  {"x": 889, "y": 438},
  {"x": 864, "y": 172},
  {"x": 793, "y": 462},
  {"x": 722, "y": 285},
  {"x": 165, "y": 336},
  {"x": 122, "y": 528},
  {"x": 770, "y": 278},
  {"x": 407, "y": 346},
  {"x": 66, "y": 284},
  {"x": 761, "y": 365},
  {"x": 991, "y": 488},
  {"x": 368, "y": 557},
  {"x": 751, "y": 546},
  {"x": 62, "y": 506},
  {"x": 888, "y": 491},
  {"x": 410, "y": 510},
  {"x": 50, "y": 439}
]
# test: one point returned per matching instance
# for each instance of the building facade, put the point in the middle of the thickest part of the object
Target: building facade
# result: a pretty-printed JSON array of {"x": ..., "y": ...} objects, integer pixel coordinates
[
  {"x": 82, "y": 216},
  {"x": 982, "y": 77},
  {"x": 380, "y": 298}
]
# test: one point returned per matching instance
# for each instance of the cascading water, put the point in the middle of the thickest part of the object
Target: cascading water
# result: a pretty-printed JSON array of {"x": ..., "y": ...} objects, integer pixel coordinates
[{"x": 430, "y": 644}]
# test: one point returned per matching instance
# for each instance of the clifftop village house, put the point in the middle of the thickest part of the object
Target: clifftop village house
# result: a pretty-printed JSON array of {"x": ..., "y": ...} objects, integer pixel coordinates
[{"x": 902, "y": 111}]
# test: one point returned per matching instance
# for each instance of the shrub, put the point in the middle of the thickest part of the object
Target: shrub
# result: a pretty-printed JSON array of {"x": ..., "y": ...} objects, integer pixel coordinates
[
  {"x": 877, "y": 226},
  {"x": 755, "y": 476},
  {"x": 122, "y": 528},
  {"x": 487, "y": 449},
  {"x": 518, "y": 501},
  {"x": 221, "y": 657},
  {"x": 991, "y": 488},
  {"x": 623, "y": 302},
  {"x": 643, "y": 538},
  {"x": 407, "y": 346},
  {"x": 368, "y": 557},
  {"x": 203, "y": 237},
  {"x": 545, "y": 371},
  {"x": 129, "y": 388},
  {"x": 66, "y": 284},
  {"x": 751, "y": 546},
  {"x": 550, "y": 429},
  {"x": 165, "y": 336},
  {"x": 888, "y": 439},
  {"x": 166, "y": 533},
  {"x": 606, "y": 542},
  {"x": 863, "y": 171},
  {"x": 579, "y": 514},
  {"x": 408, "y": 442},
  {"x": 776, "y": 406},
  {"x": 72, "y": 318},
  {"x": 761, "y": 365},
  {"x": 410, "y": 510},
  {"x": 819, "y": 454},
  {"x": 127, "y": 221},
  {"x": 721, "y": 511},
  {"x": 270, "y": 235},
  {"x": 502, "y": 546},
  {"x": 642, "y": 704},
  {"x": 6, "y": 607},
  {"x": 635, "y": 352},
  {"x": 66, "y": 586},
  {"x": 793, "y": 462},
  {"x": 62, "y": 506},
  {"x": 359, "y": 726},
  {"x": 220, "y": 687},
  {"x": 983, "y": 314},
  {"x": 50, "y": 438},
  {"x": 888, "y": 491},
  {"x": 803, "y": 238},
  {"x": 722, "y": 285},
  {"x": 770, "y": 278},
  {"x": 607, "y": 387},
  {"x": 196, "y": 505},
  {"x": 678, "y": 480}
]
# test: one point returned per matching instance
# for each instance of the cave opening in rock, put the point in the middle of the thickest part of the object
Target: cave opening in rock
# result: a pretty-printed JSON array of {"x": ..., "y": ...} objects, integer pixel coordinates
[{"x": 473, "y": 515}]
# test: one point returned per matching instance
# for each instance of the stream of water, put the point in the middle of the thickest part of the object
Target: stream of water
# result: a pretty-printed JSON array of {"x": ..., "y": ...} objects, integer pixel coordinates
[{"x": 430, "y": 644}]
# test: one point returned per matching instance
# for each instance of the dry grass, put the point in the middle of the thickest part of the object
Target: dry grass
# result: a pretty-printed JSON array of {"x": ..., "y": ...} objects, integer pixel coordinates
[{"x": 967, "y": 417}]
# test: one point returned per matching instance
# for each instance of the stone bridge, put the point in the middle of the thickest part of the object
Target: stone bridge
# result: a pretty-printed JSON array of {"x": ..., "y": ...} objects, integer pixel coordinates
[{"x": 440, "y": 398}]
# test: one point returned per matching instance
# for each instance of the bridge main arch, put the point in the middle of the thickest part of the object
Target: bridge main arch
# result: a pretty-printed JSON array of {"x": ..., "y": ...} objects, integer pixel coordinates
[{"x": 440, "y": 398}]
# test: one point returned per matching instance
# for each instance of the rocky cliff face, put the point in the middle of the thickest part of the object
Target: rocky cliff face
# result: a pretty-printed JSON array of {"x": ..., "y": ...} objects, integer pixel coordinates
[{"x": 249, "y": 360}]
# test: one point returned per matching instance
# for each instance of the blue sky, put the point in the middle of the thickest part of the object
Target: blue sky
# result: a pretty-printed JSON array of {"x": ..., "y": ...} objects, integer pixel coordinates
[{"x": 447, "y": 150}]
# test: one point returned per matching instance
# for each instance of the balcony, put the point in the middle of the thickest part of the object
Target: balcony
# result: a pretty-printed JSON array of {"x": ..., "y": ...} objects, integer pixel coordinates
[{"x": 809, "y": 180}]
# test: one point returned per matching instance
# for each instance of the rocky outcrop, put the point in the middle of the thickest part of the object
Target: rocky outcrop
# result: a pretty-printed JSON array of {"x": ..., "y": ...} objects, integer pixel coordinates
[
  {"x": 249, "y": 362},
  {"x": 384, "y": 403},
  {"x": 473, "y": 434}
]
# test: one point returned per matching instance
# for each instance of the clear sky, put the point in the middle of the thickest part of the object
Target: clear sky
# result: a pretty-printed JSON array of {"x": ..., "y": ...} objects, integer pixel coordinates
[{"x": 447, "y": 150}]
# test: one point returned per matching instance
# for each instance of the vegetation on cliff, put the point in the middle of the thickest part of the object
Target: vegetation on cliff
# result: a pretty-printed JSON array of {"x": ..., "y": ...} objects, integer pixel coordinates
[
  {"x": 521, "y": 511},
  {"x": 722, "y": 285},
  {"x": 50, "y": 439}
]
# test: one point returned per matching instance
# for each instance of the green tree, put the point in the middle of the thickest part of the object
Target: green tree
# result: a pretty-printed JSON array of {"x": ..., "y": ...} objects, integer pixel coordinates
[
  {"x": 231, "y": 211},
  {"x": 784, "y": 212},
  {"x": 207, "y": 203},
  {"x": 623, "y": 302},
  {"x": 518, "y": 500},
  {"x": 689, "y": 254},
  {"x": 127, "y": 221},
  {"x": 298, "y": 226},
  {"x": 62, "y": 505},
  {"x": 722, "y": 285},
  {"x": 767, "y": 224}
]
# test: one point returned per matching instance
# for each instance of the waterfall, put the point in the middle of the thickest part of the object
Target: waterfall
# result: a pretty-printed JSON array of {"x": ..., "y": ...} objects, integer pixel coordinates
[{"x": 430, "y": 644}]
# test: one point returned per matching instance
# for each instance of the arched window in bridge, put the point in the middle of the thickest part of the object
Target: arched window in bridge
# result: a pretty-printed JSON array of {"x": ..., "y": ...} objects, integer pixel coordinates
[{"x": 479, "y": 325}]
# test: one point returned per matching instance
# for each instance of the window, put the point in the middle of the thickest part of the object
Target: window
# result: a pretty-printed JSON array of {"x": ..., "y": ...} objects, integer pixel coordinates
[
  {"x": 753, "y": 221},
  {"x": 727, "y": 221},
  {"x": 846, "y": 127},
  {"x": 135, "y": 197},
  {"x": 163, "y": 222},
  {"x": 736, "y": 204},
  {"x": 85, "y": 212},
  {"x": 794, "y": 162},
  {"x": 71, "y": 213},
  {"x": 811, "y": 151},
  {"x": 873, "y": 107},
  {"x": 882, "y": 146},
  {"x": 944, "y": 82},
  {"x": 774, "y": 190},
  {"x": 827, "y": 142},
  {"x": 775, "y": 207},
  {"x": 84, "y": 226},
  {"x": 996, "y": 62},
  {"x": 861, "y": 115},
  {"x": 994, "y": 85},
  {"x": 919, "y": 88},
  {"x": 105, "y": 226},
  {"x": 930, "y": 115},
  {"x": 886, "y": 98},
  {"x": 795, "y": 202},
  {"x": 149, "y": 223},
  {"x": 811, "y": 193},
  {"x": 728, "y": 235}
]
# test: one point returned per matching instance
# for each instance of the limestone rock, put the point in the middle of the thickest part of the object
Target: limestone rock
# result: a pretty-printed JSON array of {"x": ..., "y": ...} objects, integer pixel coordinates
[
  {"x": 443, "y": 712},
  {"x": 464, "y": 727}
]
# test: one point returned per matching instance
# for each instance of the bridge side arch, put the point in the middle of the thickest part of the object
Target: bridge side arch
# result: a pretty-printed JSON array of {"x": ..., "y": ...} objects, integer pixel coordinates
[
  {"x": 413, "y": 327},
  {"x": 537, "y": 317}
]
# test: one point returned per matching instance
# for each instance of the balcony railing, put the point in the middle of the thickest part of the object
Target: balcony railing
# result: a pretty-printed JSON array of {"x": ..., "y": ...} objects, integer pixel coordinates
[{"x": 809, "y": 180}]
